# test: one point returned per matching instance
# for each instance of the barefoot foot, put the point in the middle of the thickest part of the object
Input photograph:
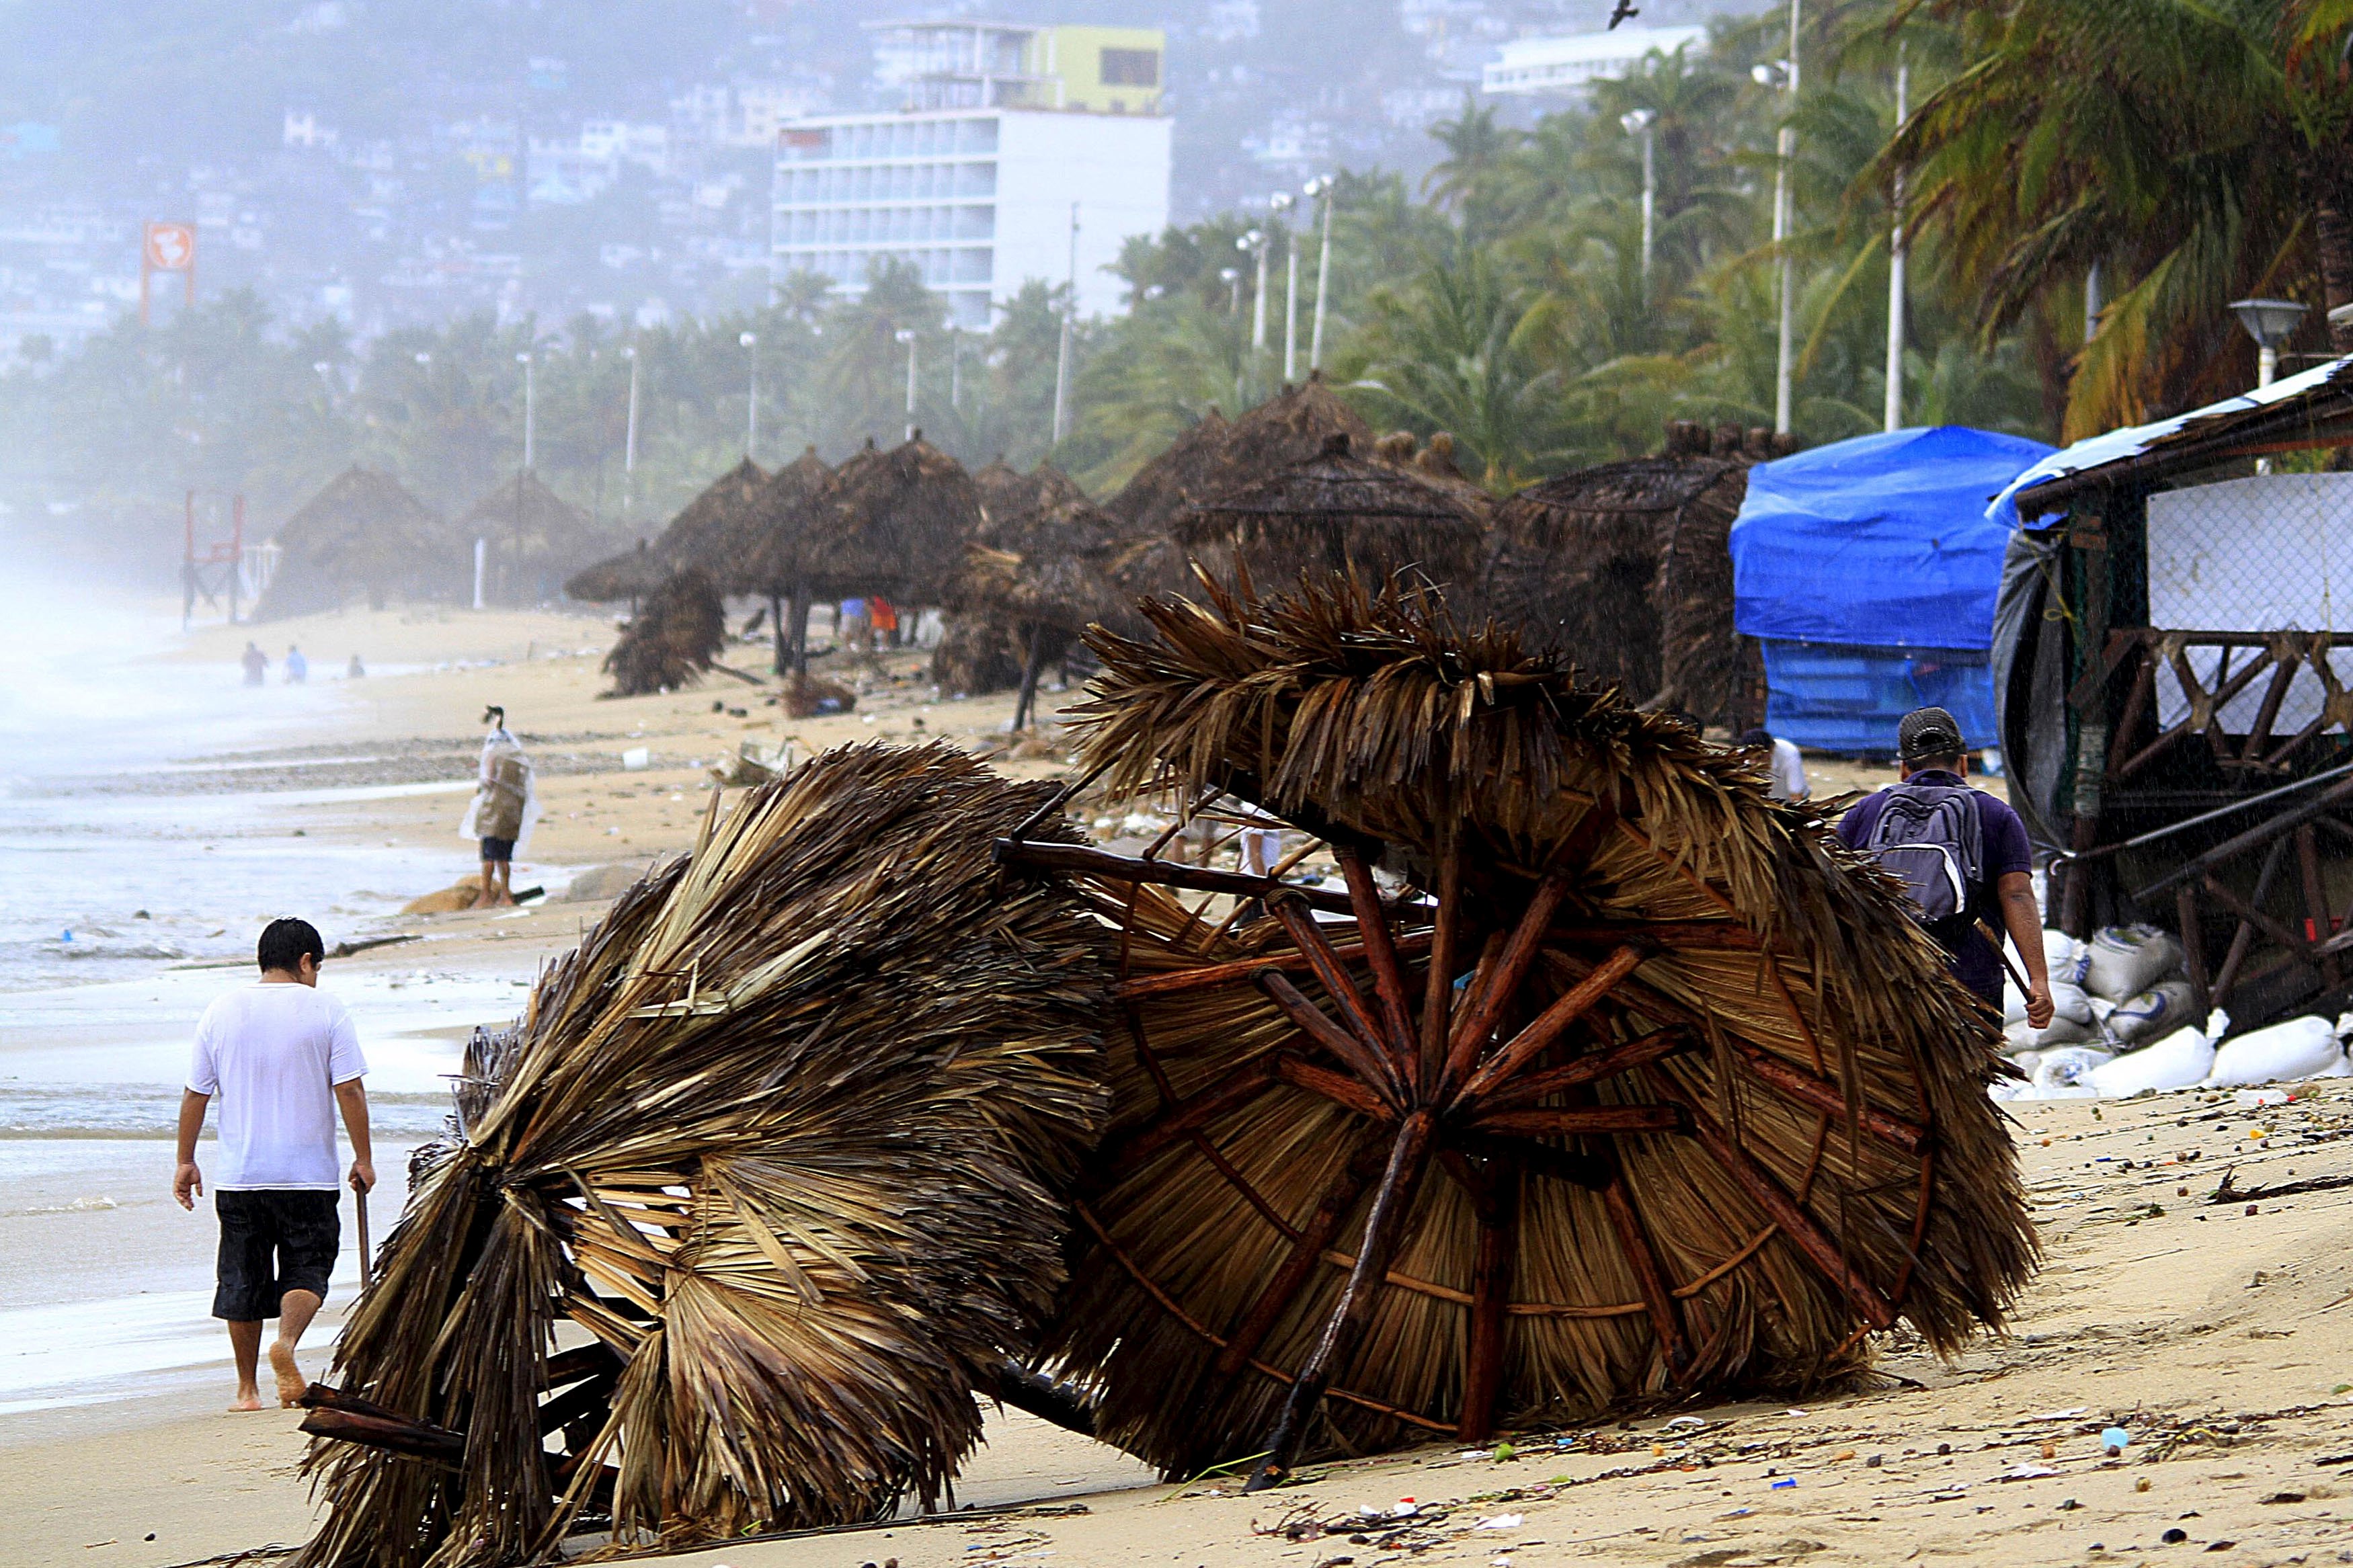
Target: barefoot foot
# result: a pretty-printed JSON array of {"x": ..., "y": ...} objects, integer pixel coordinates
[
  {"x": 289, "y": 1376},
  {"x": 247, "y": 1399}
]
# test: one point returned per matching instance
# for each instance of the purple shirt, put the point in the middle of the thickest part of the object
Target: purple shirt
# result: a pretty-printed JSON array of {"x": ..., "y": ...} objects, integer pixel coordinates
[{"x": 2006, "y": 849}]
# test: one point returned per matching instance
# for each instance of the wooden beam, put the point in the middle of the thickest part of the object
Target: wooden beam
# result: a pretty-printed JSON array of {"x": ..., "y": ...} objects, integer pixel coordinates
[
  {"x": 1650, "y": 1274},
  {"x": 1561, "y": 1164},
  {"x": 1338, "y": 982},
  {"x": 1656, "y": 1045},
  {"x": 1496, "y": 1199},
  {"x": 1080, "y": 860},
  {"x": 1354, "y": 1054},
  {"x": 1183, "y": 1116},
  {"x": 1383, "y": 1228},
  {"x": 1818, "y": 1094},
  {"x": 1240, "y": 970},
  {"x": 1337, "y": 1087},
  {"x": 1380, "y": 956},
  {"x": 1486, "y": 1009},
  {"x": 2222, "y": 894},
  {"x": 1598, "y": 1121},
  {"x": 1548, "y": 1026},
  {"x": 1298, "y": 1265}
]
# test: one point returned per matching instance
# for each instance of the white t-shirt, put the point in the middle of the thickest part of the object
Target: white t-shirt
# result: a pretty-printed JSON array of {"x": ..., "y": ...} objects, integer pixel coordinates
[
  {"x": 1789, "y": 771},
  {"x": 273, "y": 1053}
]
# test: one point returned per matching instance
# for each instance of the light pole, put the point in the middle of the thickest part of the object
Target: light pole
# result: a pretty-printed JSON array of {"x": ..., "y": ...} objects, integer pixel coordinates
[
  {"x": 1279, "y": 202},
  {"x": 629, "y": 439},
  {"x": 1062, "y": 355},
  {"x": 751, "y": 341},
  {"x": 1895, "y": 253},
  {"x": 1640, "y": 122},
  {"x": 1321, "y": 185},
  {"x": 955, "y": 366},
  {"x": 2270, "y": 322},
  {"x": 906, "y": 335},
  {"x": 1232, "y": 277},
  {"x": 1785, "y": 147},
  {"x": 530, "y": 411},
  {"x": 1255, "y": 241}
]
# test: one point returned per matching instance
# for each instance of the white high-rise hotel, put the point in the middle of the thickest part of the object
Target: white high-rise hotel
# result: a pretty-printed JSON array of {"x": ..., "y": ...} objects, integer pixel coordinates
[{"x": 1005, "y": 129}]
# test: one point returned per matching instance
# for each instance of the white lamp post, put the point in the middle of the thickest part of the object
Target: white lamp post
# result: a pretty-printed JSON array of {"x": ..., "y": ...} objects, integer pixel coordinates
[
  {"x": 1643, "y": 122},
  {"x": 629, "y": 439},
  {"x": 530, "y": 411},
  {"x": 1280, "y": 202},
  {"x": 751, "y": 342},
  {"x": 1895, "y": 253},
  {"x": 1062, "y": 354},
  {"x": 1322, "y": 186},
  {"x": 906, "y": 335},
  {"x": 2270, "y": 322},
  {"x": 1785, "y": 148}
]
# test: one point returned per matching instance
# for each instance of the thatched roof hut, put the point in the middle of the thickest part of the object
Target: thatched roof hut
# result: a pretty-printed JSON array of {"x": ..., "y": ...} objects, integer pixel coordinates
[
  {"x": 1028, "y": 587},
  {"x": 762, "y": 536},
  {"x": 364, "y": 533},
  {"x": 536, "y": 538},
  {"x": 784, "y": 1135},
  {"x": 1007, "y": 493},
  {"x": 893, "y": 523},
  {"x": 1336, "y": 511},
  {"x": 1627, "y": 567},
  {"x": 699, "y": 535},
  {"x": 1657, "y": 1090},
  {"x": 631, "y": 574},
  {"x": 1215, "y": 455}
]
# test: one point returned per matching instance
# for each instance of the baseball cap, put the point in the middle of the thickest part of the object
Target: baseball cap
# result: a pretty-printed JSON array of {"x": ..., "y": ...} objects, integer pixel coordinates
[{"x": 1928, "y": 733}]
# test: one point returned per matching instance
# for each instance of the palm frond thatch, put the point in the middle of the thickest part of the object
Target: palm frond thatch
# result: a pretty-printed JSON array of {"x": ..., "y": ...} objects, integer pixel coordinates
[
  {"x": 1627, "y": 567},
  {"x": 1007, "y": 493},
  {"x": 697, "y": 536},
  {"x": 672, "y": 639},
  {"x": 1336, "y": 511},
  {"x": 893, "y": 523},
  {"x": 535, "y": 538},
  {"x": 363, "y": 533},
  {"x": 761, "y": 540},
  {"x": 1659, "y": 1090},
  {"x": 1214, "y": 456},
  {"x": 786, "y": 1136}
]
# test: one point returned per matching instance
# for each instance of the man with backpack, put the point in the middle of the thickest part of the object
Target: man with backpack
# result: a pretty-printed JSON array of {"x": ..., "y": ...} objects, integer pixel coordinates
[{"x": 1962, "y": 855}]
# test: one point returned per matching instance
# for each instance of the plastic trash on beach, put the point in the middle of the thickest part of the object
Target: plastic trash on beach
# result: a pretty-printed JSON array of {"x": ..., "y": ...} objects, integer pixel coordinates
[
  {"x": 2124, "y": 961},
  {"x": 2066, "y": 1073},
  {"x": 2177, "y": 1062},
  {"x": 2116, "y": 1440},
  {"x": 2309, "y": 1046},
  {"x": 2256, "y": 1099},
  {"x": 2151, "y": 1014},
  {"x": 637, "y": 759}
]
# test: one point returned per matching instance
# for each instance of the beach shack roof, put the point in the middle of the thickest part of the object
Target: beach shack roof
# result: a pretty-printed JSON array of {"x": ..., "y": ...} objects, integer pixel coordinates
[
  {"x": 362, "y": 533},
  {"x": 535, "y": 536},
  {"x": 699, "y": 536},
  {"x": 1337, "y": 510},
  {"x": 762, "y": 535},
  {"x": 1007, "y": 493},
  {"x": 1216, "y": 456},
  {"x": 893, "y": 523}
]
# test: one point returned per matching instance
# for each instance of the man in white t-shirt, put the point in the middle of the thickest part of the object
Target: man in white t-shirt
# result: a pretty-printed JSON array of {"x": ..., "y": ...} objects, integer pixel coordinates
[
  {"x": 284, "y": 1058},
  {"x": 1782, "y": 761}
]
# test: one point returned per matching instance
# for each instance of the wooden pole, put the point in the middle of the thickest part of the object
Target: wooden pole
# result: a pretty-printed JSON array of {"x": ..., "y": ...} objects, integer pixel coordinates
[
  {"x": 2194, "y": 948},
  {"x": 1384, "y": 1227},
  {"x": 1022, "y": 703},
  {"x": 1298, "y": 1265},
  {"x": 1495, "y": 1194}
]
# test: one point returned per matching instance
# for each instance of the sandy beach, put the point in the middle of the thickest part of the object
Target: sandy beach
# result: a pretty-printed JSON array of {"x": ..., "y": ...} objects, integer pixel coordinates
[{"x": 2218, "y": 1335}]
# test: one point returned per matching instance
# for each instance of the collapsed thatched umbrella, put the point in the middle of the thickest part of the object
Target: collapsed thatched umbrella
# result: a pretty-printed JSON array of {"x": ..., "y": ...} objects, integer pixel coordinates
[
  {"x": 1338, "y": 512},
  {"x": 1007, "y": 493},
  {"x": 677, "y": 635},
  {"x": 785, "y": 1135},
  {"x": 1639, "y": 1083},
  {"x": 1627, "y": 567},
  {"x": 697, "y": 536},
  {"x": 1046, "y": 575},
  {"x": 762, "y": 543},
  {"x": 531, "y": 534},
  {"x": 362, "y": 533},
  {"x": 631, "y": 574}
]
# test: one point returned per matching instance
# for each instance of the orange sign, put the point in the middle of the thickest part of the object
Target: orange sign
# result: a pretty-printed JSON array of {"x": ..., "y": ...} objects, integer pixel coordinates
[{"x": 171, "y": 247}]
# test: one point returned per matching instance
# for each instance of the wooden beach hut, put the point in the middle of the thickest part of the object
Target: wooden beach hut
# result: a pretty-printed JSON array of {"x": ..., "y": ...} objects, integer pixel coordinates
[{"x": 1336, "y": 511}]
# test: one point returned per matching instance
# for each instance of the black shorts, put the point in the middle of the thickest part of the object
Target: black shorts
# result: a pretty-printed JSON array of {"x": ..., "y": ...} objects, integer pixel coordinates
[
  {"x": 273, "y": 1241},
  {"x": 499, "y": 850}
]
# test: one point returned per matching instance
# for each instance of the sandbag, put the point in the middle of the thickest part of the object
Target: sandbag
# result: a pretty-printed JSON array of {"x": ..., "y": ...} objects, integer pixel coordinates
[
  {"x": 2071, "y": 1002},
  {"x": 2066, "y": 1073},
  {"x": 2309, "y": 1046},
  {"x": 2065, "y": 956},
  {"x": 2180, "y": 1060},
  {"x": 2153, "y": 1015},
  {"x": 2013, "y": 1003},
  {"x": 2125, "y": 961},
  {"x": 2025, "y": 1037}
]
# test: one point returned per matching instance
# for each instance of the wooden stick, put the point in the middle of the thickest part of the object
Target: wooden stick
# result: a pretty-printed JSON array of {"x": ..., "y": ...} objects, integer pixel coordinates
[
  {"x": 1380, "y": 957},
  {"x": 1333, "y": 976},
  {"x": 1384, "y": 1227},
  {"x": 398, "y": 1435},
  {"x": 1357, "y": 1056},
  {"x": 1700, "y": 935},
  {"x": 1656, "y": 1045},
  {"x": 1079, "y": 860},
  {"x": 1298, "y": 1265},
  {"x": 1650, "y": 1274},
  {"x": 1337, "y": 1087},
  {"x": 1183, "y": 1118},
  {"x": 1486, "y": 1009},
  {"x": 1570, "y": 1005},
  {"x": 1552, "y": 1121},
  {"x": 1766, "y": 1193},
  {"x": 1820, "y": 1095},
  {"x": 1438, "y": 987},
  {"x": 1177, "y": 982},
  {"x": 1490, "y": 1285}
]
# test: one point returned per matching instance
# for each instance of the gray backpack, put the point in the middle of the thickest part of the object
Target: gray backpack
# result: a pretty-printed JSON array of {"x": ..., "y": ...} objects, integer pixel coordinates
[{"x": 1929, "y": 836}]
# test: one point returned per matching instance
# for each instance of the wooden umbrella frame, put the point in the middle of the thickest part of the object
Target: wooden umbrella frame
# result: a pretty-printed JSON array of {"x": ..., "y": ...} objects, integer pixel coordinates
[{"x": 1469, "y": 1072}]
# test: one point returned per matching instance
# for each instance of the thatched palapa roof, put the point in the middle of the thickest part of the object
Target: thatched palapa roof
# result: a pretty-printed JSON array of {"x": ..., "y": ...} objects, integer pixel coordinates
[
  {"x": 1627, "y": 567},
  {"x": 763, "y": 536},
  {"x": 677, "y": 635},
  {"x": 893, "y": 523},
  {"x": 536, "y": 538},
  {"x": 1336, "y": 511},
  {"x": 699, "y": 536},
  {"x": 785, "y": 1134},
  {"x": 364, "y": 533},
  {"x": 1006, "y": 493},
  {"x": 1215, "y": 455},
  {"x": 1661, "y": 1090},
  {"x": 1044, "y": 568}
]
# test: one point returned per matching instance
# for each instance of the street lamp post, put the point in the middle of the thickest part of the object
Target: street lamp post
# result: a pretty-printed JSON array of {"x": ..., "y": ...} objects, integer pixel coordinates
[
  {"x": 1279, "y": 203},
  {"x": 907, "y": 336},
  {"x": 1642, "y": 122},
  {"x": 1322, "y": 186},
  {"x": 1255, "y": 240},
  {"x": 1062, "y": 355},
  {"x": 751, "y": 343},
  {"x": 1895, "y": 253},
  {"x": 2270, "y": 322},
  {"x": 1232, "y": 277},
  {"x": 530, "y": 411},
  {"x": 1786, "y": 149},
  {"x": 629, "y": 439}
]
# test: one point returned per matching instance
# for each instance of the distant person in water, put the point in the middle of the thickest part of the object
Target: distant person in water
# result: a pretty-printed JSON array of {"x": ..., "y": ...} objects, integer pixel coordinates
[
  {"x": 357, "y": 672},
  {"x": 505, "y": 804},
  {"x": 283, "y": 1059},
  {"x": 298, "y": 668},
  {"x": 256, "y": 664}
]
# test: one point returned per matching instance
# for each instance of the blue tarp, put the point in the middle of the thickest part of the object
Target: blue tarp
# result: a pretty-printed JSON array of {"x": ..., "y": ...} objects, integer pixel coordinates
[{"x": 1869, "y": 570}]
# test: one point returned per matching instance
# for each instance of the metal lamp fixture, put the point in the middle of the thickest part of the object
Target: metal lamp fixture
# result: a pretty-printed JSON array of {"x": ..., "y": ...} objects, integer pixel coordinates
[
  {"x": 2270, "y": 322},
  {"x": 907, "y": 336}
]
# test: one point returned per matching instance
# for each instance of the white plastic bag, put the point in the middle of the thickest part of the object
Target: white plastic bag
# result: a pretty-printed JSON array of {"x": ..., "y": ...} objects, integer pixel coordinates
[
  {"x": 2154, "y": 1014},
  {"x": 2302, "y": 1048},
  {"x": 2125, "y": 961},
  {"x": 2065, "y": 956},
  {"x": 2177, "y": 1062},
  {"x": 2066, "y": 1073}
]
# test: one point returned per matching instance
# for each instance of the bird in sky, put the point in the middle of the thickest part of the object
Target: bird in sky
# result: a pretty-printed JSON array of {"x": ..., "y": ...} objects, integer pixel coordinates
[{"x": 1623, "y": 11}]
